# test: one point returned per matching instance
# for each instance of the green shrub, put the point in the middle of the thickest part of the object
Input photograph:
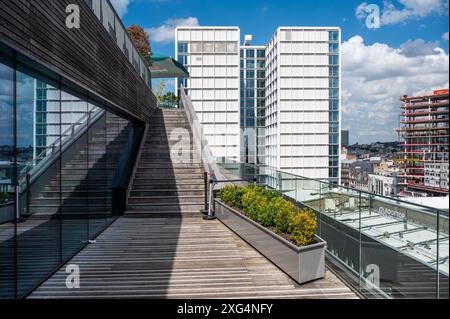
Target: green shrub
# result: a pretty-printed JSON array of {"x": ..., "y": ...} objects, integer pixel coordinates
[
  {"x": 3, "y": 197},
  {"x": 302, "y": 227},
  {"x": 232, "y": 195},
  {"x": 270, "y": 209}
]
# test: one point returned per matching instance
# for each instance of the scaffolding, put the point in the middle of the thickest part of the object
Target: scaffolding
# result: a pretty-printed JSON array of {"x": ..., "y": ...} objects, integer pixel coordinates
[{"x": 424, "y": 131}]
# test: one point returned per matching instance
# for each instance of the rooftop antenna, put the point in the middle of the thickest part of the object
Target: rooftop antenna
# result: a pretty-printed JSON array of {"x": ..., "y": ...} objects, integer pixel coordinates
[{"x": 248, "y": 38}]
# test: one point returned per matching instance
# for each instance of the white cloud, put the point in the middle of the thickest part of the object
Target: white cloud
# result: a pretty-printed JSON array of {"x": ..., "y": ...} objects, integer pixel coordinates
[
  {"x": 376, "y": 76},
  {"x": 445, "y": 36},
  {"x": 121, "y": 6},
  {"x": 410, "y": 9},
  {"x": 166, "y": 32},
  {"x": 419, "y": 47}
]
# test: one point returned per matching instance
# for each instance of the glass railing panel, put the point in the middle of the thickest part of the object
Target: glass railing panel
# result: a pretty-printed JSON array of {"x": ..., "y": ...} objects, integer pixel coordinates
[
  {"x": 7, "y": 195},
  {"x": 97, "y": 183},
  {"x": 399, "y": 244},
  {"x": 339, "y": 215},
  {"x": 37, "y": 232},
  {"x": 107, "y": 15},
  {"x": 384, "y": 247},
  {"x": 442, "y": 259}
]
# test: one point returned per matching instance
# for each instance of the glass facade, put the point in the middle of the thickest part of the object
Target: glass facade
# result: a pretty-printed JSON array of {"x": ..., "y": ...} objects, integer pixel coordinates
[
  {"x": 61, "y": 159},
  {"x": 334, "y": 102},
  {"x": 252, "y": 121}
]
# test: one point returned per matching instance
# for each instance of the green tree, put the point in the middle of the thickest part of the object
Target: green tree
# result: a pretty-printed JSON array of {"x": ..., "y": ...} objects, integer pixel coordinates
[{"x": 141, "y": 41}]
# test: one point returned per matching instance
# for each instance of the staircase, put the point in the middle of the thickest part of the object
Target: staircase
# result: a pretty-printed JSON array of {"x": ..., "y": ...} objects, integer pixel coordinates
[
  {"x": 85, "y": 178},
  {"x": 167, "y": 182}
]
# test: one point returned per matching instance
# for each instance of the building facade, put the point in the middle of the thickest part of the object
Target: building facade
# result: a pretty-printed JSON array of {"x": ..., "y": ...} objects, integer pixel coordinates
[
  {"x": 386, "y": 184},
  {"x": 425, "y": 150},
  {"x": 211, "y": 54},
  {"x": 252, "y": 102},
  {"x": 295, "y": 111},
  {"x": 303, "y": 102}
]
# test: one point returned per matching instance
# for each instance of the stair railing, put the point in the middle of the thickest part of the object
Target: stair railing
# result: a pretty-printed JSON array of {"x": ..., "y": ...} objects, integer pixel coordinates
[{"x": 46, "y": 158}]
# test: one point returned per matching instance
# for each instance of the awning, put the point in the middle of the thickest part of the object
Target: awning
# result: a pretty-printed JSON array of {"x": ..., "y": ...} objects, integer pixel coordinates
[{"x": 167, "y": 67}]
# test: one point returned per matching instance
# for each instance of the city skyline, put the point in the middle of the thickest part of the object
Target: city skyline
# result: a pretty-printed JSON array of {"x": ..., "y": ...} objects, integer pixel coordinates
[{"x": 413, "y": 38}]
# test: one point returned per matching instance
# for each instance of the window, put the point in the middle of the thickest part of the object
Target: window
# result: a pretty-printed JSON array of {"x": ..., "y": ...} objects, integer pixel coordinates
[
  {"x": 242, "y": 53},
  {"x": 334, "y": 139},
  {"x": 334, "y": 172},
  {"x": 334, "y": 93},
  {"x": 250, "y": 83},
  {"x": 250, "y": 53},
  {"x": 260, "y": 64},
  {"x": 250, "y": 64},
  {"x": 250, "y": 74},
  {"x": 333, "y": 161},
  {"x": 261, "y": 53},
  {"x": 250, "y": 103},
  {"x": 334, "y": 60},
  {"x": 261, "y": 74},
  {"x": 182, "y": 59},
  {"x": 333, "y": 36},
  {"x": 334, "y": 105},
  {"x": 334, "y": 150},
  {"x": 334, "y": 71},
  {"x": 261, "y": 84},
  {"x": 250, "y": 92},
  {"x": 333, "y": 47},
  {"x": 334, "y": 116},
  {"x": 182, "y": 47},
  {"x": 334, "y": 82}
]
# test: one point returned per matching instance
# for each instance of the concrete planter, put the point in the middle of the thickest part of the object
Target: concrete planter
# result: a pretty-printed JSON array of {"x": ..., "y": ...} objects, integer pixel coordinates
[
  {"x": 303, "y": 264},
  {"x": 6, "y": 212}
]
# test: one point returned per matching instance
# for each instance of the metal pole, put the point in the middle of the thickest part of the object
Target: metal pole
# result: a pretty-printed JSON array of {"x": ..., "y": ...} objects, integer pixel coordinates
[
  {"x": 205, "y": 211},
  {"x": 210, "y": 215}
]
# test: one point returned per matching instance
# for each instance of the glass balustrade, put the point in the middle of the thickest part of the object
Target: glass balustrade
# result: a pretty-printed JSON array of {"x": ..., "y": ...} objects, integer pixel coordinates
[{"x": 384, "y": 247}]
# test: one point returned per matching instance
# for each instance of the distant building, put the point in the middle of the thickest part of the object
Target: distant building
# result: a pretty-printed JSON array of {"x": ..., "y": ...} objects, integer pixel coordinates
[
  {"x": 386, "y": 184},
  {"x": 436, "y": 175},
  {"x": 345, "y": 172},
  {"x": 425, "y": 150},
  {"x": 359, "y": 172},
  {"x": 345, "y": 138}
]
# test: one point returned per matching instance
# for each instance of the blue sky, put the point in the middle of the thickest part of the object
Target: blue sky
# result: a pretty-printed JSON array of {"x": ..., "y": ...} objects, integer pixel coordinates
[{"x": 408, "y": 54}]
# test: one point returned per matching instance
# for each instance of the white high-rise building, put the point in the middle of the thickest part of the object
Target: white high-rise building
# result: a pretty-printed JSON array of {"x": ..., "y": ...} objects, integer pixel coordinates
[
  {"x": 211, "y": 54},
  {"x": 303, "y": 102},
  {"x": 301, "y": 117}
]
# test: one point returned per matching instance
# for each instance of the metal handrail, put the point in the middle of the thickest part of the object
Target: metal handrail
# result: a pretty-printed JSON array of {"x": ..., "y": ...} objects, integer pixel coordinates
[
  {"x": 42, "y": 159},
  {"x": 209, "y": 161}
]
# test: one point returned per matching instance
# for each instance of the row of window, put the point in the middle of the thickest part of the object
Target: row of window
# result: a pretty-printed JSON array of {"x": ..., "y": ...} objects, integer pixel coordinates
[
  {"x": 250, "y": 53},
  {"x": 260, "y": 74},
  {"x": 207, "y": 47},
  {"x": 250, "y": 64}
]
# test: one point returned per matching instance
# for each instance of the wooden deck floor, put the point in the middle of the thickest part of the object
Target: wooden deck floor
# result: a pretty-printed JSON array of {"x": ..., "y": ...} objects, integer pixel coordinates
[{"x": 179, "y": 258}]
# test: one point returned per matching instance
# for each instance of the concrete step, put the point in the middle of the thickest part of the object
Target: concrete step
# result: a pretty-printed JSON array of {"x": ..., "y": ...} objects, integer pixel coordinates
[
  {"x": 166, "y": 214},
  {"x": 167, "y": 192},
  {"x": 160, "y": 200},
  {"x": 165, "y": 207},
  {"x": 179, "y": 175},
  {"x": 166, "y": 186},
  {"x": 169, "y": 170}
]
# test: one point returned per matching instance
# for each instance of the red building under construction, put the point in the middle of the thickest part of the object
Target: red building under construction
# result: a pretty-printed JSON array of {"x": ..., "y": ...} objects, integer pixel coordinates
[{"x": 424, "y": 130}]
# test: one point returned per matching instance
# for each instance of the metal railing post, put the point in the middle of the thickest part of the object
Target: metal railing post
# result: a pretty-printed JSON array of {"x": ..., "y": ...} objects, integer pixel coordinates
[
  {"x": 205, "y": 210},
  {"x": 210, "y": 215}
]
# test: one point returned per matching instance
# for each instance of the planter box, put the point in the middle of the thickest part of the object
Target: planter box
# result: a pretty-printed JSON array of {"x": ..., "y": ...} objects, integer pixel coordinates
[
  {"x": 6, "y": 212},
  {"x": 303, "y": 264}
]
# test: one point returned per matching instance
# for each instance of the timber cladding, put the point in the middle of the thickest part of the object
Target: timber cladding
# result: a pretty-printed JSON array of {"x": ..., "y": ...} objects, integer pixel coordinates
[{"x": 87, "y": 57}]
